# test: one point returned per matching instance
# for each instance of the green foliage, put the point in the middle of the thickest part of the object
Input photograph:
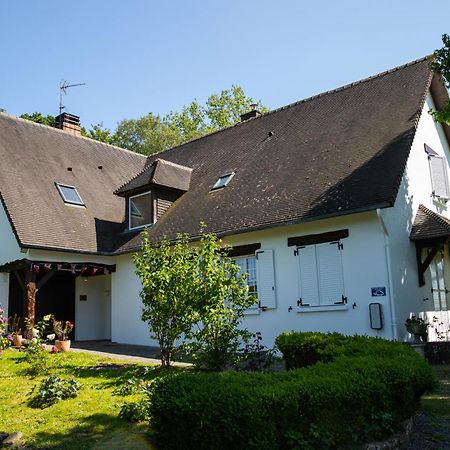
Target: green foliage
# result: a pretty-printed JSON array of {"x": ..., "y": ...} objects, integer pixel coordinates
[
  {"x": 441, "y": 65},
  {"x": 167, "y": 279},
  {"x": 99, "y": 133},
  {"x": 135, "y": 411},
  {"x": 220, "y": 298},
  {"x": 302, "y": 349},
  {"x": 146, "y": 135},
  {"x": 328, "y": 405},
  {"x": 193, "y": 291},
  {"x": 37, "y": 117},
  {"x": 153, "y": 133},
  {"x": 54, "y": 389}
]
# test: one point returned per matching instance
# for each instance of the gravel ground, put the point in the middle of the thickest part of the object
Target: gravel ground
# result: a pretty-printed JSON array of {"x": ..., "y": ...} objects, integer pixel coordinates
[{"x": 431, "y": 433}]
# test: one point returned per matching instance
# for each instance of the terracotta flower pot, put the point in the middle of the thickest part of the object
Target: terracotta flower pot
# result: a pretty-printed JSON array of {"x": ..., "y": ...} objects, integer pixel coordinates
[
  {"x": 63, "y": 346},
  {"x": 17, "y": 340}
]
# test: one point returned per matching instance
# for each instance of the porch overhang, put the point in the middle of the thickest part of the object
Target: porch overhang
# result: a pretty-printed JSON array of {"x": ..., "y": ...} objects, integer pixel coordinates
[
  {"x": 85, "y": 269},
  {"x": 430, "y": 231}
]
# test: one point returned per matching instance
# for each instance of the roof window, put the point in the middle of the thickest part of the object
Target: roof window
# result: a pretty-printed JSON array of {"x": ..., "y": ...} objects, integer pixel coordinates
[
  {"x": 140, "y": 210},
  {"x": 223, "y": 181},
  {"x": 69, "y": 194}
]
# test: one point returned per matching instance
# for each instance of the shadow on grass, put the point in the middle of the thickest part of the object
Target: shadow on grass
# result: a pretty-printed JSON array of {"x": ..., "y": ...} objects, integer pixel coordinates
[
  {"x": 96, "y": 432},
  {"x": 438, "y": 403}
]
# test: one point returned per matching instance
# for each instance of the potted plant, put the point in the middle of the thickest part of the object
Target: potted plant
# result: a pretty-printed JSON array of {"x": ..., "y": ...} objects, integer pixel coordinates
[
  {"x": 417, "y": 327},
  {"x": 15, "y": 330},
  {"x": 62, "y": 330}
]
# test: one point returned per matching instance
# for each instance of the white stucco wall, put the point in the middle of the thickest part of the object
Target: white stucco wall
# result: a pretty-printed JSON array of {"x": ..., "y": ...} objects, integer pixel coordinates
[
  {"x": 364, "y": 267},
  {"x": 93, "y": 315},
  {"x": 415, "y": 189},
  {"x": 9, "y": 251}
]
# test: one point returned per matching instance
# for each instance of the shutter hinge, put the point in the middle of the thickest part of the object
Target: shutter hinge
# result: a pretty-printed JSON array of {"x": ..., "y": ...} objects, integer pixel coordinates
[
  {"x": 300, "y": 302},
  {"x": 342, "y": 302},
  {"x": 296, "y": 252},
  {"x": 340, "y": 246}
]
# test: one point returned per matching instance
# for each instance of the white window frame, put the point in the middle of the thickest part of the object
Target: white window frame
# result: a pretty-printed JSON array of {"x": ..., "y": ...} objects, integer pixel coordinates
[
  {"x": 129, "y": 211},
  {"x": 443, "y": 161},
  {"x": 255, "y": 308},
  {"x": 217, "y": 186},
  {"x": 69, "y": 202},
  {"x": 337, "y": 306}
]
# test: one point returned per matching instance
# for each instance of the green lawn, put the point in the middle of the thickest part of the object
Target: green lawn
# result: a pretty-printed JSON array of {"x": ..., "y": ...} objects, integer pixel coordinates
[
  {"x": 438, "y": 403},
  {"x": 89, "y": 421}
]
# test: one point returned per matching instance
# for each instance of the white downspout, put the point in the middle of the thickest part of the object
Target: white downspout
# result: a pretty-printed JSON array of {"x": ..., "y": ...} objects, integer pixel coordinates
[{"x": 389, "y": 277}]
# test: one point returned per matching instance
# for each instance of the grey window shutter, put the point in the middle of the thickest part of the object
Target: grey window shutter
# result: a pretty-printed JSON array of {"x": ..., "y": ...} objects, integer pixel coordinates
[
  {"x": 439, "y": 178},
  {"x": 330, "y": 273},
  {"x": 308, "y": 281},
  {"x": 266, "y": 279}
]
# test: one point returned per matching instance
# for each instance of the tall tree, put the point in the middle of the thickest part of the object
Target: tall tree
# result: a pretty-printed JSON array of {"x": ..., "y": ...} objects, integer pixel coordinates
[
  {"x": 37, "y": 117},
  {"x": 441, "y": 65},
  {"x": 150, "y": 133}
]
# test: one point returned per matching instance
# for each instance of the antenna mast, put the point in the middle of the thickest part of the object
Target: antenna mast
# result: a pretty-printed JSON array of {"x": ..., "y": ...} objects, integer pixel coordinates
[{"x": 63, "y": 86}]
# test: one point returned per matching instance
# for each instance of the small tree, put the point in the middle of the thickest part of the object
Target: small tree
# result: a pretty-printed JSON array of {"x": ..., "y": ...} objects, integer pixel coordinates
[
  {"x": 166, "y": 273},
  {"x": 186, "y": 285},
  {"x": 221, "y": 296}
]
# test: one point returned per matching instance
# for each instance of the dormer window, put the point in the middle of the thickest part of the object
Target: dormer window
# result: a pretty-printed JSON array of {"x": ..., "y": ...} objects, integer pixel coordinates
[
  {"x": 69, "y": 194},
  {"x": 223, "y": 181},
  {"x": 140, "y": 210}
]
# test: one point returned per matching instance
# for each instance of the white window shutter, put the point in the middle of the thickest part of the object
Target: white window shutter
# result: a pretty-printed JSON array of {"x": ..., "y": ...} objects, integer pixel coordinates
[
  {"x": 439, "y": 178},
  {"x": 308, "y": 282},
  {"x": 266, "y": 279},
  {"x": 330, "y": 273}
]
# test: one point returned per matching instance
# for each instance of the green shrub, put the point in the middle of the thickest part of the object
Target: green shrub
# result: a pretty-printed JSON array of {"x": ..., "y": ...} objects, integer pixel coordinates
[
  {"x": 360, "y": 396},
  {"x": 54, "y": 389},
  {"x": 302, "y": 349}
]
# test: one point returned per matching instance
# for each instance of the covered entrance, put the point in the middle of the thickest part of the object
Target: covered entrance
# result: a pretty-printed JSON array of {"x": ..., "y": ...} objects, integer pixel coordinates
[
  {"x": 431, "y": 235},
  {"x": 77, "y": 292}
]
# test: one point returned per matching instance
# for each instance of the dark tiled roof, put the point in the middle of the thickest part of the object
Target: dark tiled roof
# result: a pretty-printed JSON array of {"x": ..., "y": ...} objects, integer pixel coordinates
[
  {"x": 33, "y": 157},
  {"x": 429, "y": 224},
  {"x": 336, "y": 153},
  {"x": 160, "y": 173}
]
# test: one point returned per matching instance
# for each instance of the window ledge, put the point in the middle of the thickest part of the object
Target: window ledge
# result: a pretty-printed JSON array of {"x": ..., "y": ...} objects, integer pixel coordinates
[
  {"x": 252, "y": 312},
  {"x": 311, "y": 309}
]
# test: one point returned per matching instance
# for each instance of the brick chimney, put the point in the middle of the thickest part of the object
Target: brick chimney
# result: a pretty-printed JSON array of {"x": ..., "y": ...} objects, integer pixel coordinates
[
  {"x": 69, "y": 123},
  {"x": 251, "y": 114}
]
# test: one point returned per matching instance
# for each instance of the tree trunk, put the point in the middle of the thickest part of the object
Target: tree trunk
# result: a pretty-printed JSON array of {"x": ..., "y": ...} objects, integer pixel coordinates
[{"x": 30, "y": 306}]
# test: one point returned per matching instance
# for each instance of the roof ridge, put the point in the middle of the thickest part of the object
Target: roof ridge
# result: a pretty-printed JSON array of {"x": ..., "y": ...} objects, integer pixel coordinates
[
  {"x": 165, "y": 161},
  {"x": 299, "y": 102},
  {"x": 48, "y": 127},
  {"x": 136, "y": 176}
]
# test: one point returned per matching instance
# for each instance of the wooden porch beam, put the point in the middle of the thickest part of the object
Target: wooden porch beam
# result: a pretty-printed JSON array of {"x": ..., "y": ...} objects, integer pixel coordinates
[
  {"x": 29, "y": 307},
  {"x": 20, "y": 279},
  {"x": 45, "y": 278},
  {"x": 423, "y": 266}
]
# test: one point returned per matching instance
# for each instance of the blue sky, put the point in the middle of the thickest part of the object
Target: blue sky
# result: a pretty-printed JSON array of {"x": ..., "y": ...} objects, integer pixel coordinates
[{"x": 138, "y": 56}]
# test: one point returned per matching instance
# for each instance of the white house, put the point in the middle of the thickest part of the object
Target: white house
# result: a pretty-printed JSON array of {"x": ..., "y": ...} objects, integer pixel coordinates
[{"x": 336, "y": 206}]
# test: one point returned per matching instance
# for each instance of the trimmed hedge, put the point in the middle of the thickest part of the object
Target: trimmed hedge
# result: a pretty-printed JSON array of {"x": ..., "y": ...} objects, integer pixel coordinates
[
  {"x": 302, "y": 349},
  {"x": 328, "y": 405}
]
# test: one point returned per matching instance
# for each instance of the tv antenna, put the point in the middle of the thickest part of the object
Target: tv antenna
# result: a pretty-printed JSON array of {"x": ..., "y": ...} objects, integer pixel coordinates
[{"x": 63, "y": 86}]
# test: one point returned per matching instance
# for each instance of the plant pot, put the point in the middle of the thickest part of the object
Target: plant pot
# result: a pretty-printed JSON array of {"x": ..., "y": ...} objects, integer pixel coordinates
[
  {"x": 17, "y": 340},
  {"x": 415, "y": 328},
  {"x": 63, "y": 346}
]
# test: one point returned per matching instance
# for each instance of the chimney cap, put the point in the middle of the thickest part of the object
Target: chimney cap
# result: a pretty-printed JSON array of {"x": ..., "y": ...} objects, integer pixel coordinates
[{"x": 251, "y": 114}]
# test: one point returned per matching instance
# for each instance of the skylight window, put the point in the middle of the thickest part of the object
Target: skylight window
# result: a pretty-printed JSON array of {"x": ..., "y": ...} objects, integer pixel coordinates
[
  {"x": 223, "y": 181},
  {"x": 69, "y": 194}
]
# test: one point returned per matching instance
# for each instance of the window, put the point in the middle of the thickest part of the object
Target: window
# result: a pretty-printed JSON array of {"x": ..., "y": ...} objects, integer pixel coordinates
[
  {"x": 247, "y": 264},
  {"x": 321, "y": 280},
  {"x": 223, "y": 181},
  {"x": 438, "y": 288},
  {"x": 140, "y": 210},
  {"x": 261, "y": 278},
  {"x": 438, "y": 171},
  {"x": 69, "y": 194}
]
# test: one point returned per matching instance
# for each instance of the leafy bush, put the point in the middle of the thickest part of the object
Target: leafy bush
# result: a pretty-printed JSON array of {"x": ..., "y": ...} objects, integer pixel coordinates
[
  {"x": 302, "y": 349},
  {"x": 355, "y": 398},
  {"x": 54, "y": 389},
  {"x": 135, "y": 411}
]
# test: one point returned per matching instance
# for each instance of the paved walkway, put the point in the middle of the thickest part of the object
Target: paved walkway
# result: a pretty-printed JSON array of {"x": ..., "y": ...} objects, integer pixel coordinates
[{"x": 136, "y": 353}]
